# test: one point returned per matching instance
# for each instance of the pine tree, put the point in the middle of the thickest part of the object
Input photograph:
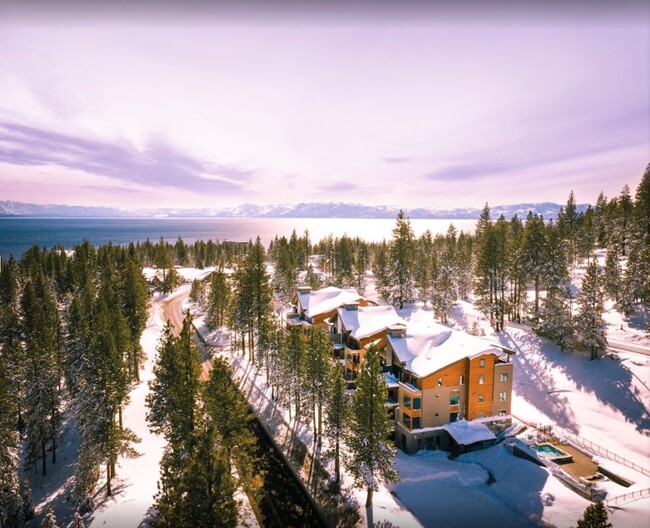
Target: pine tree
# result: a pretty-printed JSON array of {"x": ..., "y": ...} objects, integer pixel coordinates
[
  {"x": 41, "y": 338},
  {"x": 533, "y": 252},
  {"x": 381, "y": 271},
  {"x": 316, "y": 372},
  {"x": 589, "y": 322},
  {"x": 77, "y": 521},
  {"x": 293, "y": 370},
  {"x": 135, "y": 304},
  {"x": 612, "y": 274},
  {"x": 401, "y": 278},
  {"x": 206, "y": 498},
  {"x": 11, "y": 512},
  {"x": 595, "y": 516},
  {"x": 218, "y": 300},
  {"x": 173, "y": 393},
  {"x": 337, "y": 414},
  {"x": 228, "y": 410},
  {"x": 49, "y": 521},
  {"x": 370, "y": 452}
]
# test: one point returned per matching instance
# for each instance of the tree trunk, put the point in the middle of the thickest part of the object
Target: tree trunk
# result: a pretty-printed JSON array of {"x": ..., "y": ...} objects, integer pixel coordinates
[
  {"x": 53, "y": 450},
  {"x": 108, "y": 479},
  {"x": 369, "y": 498},
  {"x": 119, "y": 413},
  {"x": 337, "y": 463},
  {"x": 44, "y": 461},
  {"x": 136, "y": 367}
]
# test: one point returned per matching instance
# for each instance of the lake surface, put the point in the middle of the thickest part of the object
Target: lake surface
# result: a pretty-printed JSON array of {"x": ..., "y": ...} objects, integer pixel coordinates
[{"x": 19, "y": 234}]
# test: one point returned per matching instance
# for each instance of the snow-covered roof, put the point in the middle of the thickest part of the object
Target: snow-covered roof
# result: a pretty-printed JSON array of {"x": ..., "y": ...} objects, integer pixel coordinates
[
  {"x": 366, "y": 321},
  {"x": 427, "y": 348},
  {"x": 468, "y": 433},
  {"x": 322, "y": 301}
]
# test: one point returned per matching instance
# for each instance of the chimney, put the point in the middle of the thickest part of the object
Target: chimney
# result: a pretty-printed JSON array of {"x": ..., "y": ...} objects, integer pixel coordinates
[
  {"x": 397, "y": 330},
  {"x": 351, "y": 306},
  {"x": 304, "y": 289}
]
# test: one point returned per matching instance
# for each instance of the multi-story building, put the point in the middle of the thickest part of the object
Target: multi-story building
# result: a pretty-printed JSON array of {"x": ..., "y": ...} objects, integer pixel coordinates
[
  {"x": 356, "y": 327},
  {"x": 440, "y": 376},
  {"x": 316, "y": 308}
]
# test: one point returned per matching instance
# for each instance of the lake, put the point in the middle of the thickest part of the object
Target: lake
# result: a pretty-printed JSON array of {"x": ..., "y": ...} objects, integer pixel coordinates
[{"x": 19, "y": 234}]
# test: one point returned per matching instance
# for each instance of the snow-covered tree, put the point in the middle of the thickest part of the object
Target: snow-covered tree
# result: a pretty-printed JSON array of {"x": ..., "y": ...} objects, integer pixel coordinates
[
  {"x": 612, "y": 274},
  {"x": 370, "y": 457},
  {"x": 337, "y": 413},
  {"x": 401, "y": 281},
  {"x": 41, "y": 329},
  {"x": 316, "y": 372},
  {"x": 590, "y": 327},
  {"x": 49, "y": 521},
  {"x": 533, "y": 252},
  {"x": 11, "y": 511},
  {"x": 77, "y": 521}
]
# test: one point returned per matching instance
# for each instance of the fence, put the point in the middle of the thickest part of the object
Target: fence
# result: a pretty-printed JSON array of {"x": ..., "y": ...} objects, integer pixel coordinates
[
  {"x": 598, "y": 450},
  {"x": 628, "y": 497}
]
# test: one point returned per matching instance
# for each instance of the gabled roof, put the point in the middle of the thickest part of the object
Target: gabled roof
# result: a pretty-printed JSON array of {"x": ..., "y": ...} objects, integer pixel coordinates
[
  {"x": 323, "y": 301},
  {"x": 428, "y": 348},
  {"x": 367, "y": 321}
]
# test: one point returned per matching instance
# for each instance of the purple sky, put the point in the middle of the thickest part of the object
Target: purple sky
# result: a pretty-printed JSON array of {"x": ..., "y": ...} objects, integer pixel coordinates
[{"x": 443, "y": 104}]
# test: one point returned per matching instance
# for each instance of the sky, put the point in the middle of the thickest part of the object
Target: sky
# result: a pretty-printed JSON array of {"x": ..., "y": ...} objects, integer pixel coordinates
[{"x": 411, "y": 104}]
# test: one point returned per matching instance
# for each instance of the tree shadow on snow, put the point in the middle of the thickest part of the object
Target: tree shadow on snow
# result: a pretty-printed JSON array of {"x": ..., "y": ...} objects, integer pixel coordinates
[
  {"x": 532, "y": 380},
  {"x": 607, "y": 379}
]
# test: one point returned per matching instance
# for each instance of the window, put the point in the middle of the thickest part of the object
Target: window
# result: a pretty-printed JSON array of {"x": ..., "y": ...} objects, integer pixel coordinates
[
  {"x": 502, "y": 413},
  {"x": 416, "y": 423},
  {"x": 480, "y": 398},
  {"x": 406, "y": 401},
  {"x": 453, "y": 417},
  {"x": 481, "y": 362},
  {"x": 355, "y": 359},
  {"x": 503, "y": 396},
  {"x": 481, "y": 380},
  {"x": 453, "y": 399},
  {"x": 406, "y": 420},
  {"x": 439, "y": 382},
  {"x": 504, "y": 377},
  {"x": 461, "y": 381},
  {"x": 416, "y": 404}
]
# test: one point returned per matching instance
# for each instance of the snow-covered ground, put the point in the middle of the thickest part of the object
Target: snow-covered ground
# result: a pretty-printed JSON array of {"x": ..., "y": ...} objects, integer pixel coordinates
[{"x": 604, "y": 401}]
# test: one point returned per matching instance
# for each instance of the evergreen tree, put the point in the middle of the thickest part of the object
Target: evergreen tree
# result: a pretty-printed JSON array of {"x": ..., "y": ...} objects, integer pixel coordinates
[
  {"x": 381, "y": 271},
  {"x": 11, "y": 511},
  {"x": 218, "y": 300},
  {"x": 293, "y": 367},
  {"x": 533, "y": 252},
  {"x": 589, "y": 322},
  {"x": 595, "y": 516},
  {"x": 49, "y": 521},
  {"x": 11, "y": 345},
  {"x": 337, "y": 414},
  {"x": 401, "y": 279},
  {"x": 612, "y": 274},
  {"x": 316, "y": 372},
  {"x": 135, "y": 305},
  {"x": 227, "y": 409},
  {"x": 173, "y": 393},
  {"x": 370, "y": 451},
  {"x": 516, "y": 270},
  {"x": 41, "y": 338},
  {"x": 77, "y": 521}
]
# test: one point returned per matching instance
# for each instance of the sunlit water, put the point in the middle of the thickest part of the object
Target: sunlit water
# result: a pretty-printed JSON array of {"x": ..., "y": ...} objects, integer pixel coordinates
[{"x": 19, "y": 234}]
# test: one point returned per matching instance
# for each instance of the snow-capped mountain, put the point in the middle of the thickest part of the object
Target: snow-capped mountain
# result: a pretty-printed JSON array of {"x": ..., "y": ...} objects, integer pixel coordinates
[{"x": 300, "y": 210}]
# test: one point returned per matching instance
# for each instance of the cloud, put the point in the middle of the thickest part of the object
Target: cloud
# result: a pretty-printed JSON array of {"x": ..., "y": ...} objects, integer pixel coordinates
[
  {"x": 469, "y": 172},
  {"x": 393, "y": 161},
  {"x": 159, "y": 164},
  {"x": 337, "y": 187}
]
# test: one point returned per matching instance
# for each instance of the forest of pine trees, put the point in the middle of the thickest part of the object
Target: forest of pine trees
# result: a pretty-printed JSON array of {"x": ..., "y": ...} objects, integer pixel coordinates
[{"x": 71, "y": 321}]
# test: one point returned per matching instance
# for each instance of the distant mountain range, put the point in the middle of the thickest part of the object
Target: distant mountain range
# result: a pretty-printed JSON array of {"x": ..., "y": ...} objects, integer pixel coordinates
[{"x": 301, "y": 210}]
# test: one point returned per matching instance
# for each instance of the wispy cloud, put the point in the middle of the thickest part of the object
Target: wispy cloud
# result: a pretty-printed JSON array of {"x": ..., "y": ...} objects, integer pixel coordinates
[
  {"x": 338, "y": 187},
  {"x": 395, "y": 161},
  {"x": 159, "y": 164}
]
